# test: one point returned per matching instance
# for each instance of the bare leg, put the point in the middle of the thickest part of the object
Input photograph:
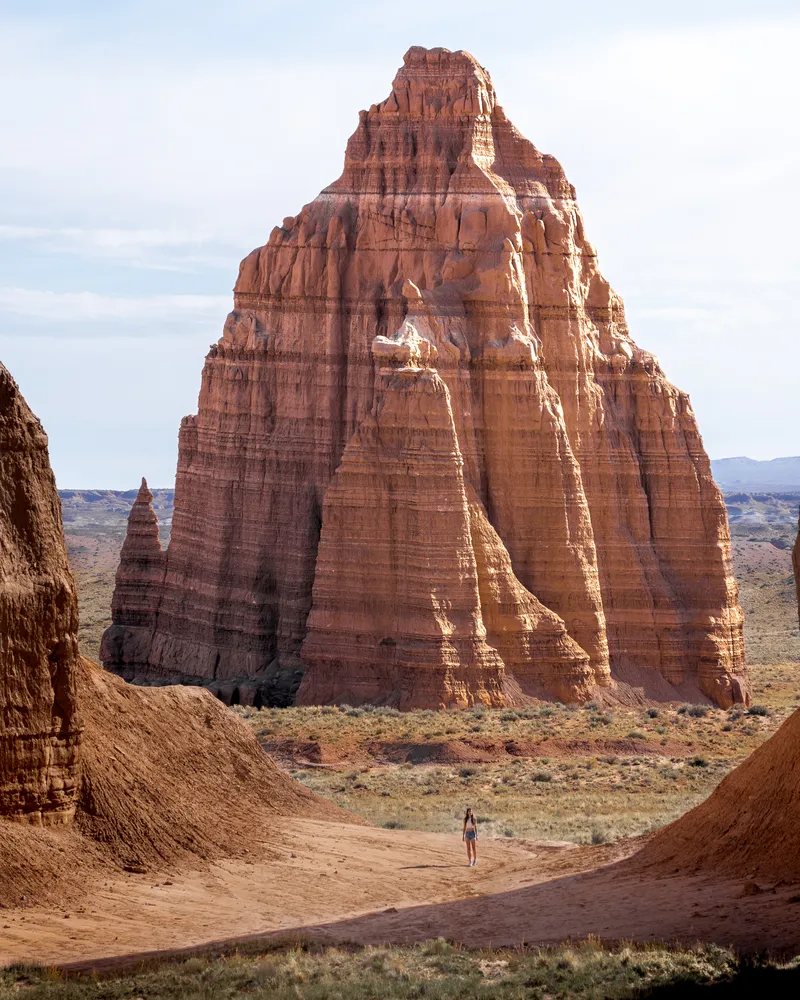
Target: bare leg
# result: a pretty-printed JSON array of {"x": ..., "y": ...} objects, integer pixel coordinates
[
  {"x": 475, "y": 851},
  {"x": 468, "y": 854}
]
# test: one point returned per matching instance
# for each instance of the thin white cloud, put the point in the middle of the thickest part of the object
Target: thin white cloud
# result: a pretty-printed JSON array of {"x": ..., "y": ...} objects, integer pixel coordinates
[
  {"x": 155, "y": 249},
  {"x": 72, "y": 307},
  {"x": 683, "y": 143}
]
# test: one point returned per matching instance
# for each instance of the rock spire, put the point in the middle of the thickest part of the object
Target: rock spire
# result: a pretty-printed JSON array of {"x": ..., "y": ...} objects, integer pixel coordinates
[
  {"x": 137, "y": 589},
  {"x": 555, "y": 527},
  {"x": 40, "y": 726}
]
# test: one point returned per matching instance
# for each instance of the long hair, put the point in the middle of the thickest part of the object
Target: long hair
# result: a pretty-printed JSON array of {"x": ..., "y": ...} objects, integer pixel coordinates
[{"x": 469, "y": 813}]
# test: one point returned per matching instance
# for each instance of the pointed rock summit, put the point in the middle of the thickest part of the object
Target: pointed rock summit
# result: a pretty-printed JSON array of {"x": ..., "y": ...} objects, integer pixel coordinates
[
  {"x": 429, "y": 465},
  {"x": 137, "y": 589}
]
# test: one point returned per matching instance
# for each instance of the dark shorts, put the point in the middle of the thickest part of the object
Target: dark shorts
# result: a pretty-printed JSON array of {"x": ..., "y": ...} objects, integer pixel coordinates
[{"x": 471, "y": 835}]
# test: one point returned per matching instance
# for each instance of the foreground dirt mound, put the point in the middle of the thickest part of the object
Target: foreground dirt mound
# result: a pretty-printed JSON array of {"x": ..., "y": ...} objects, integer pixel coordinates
[
  {"x": 749, "y": 826},
  {"x": 170, "y": 773},
  {"x": 169, "y": 777}
]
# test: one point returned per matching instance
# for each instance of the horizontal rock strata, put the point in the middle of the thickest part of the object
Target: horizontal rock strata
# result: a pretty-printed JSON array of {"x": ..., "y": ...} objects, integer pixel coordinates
[
  {"x": 558, "y": 532},
  {"x": 40, "y": 726}
]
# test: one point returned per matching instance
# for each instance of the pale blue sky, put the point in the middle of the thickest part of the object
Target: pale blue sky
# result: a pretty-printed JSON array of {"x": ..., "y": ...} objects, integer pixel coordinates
[{"x": 147, "y": 147}]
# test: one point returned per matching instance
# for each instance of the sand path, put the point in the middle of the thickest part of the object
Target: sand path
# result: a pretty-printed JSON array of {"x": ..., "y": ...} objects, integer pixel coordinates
[
  {"x": 311, "y": 872},
  {"x": 337, "y": 882}
]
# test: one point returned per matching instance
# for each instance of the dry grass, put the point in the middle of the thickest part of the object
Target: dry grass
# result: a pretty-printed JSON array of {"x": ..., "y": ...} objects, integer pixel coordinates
[
  {"x": 548, "y": 772},
  {"x": 436, "y": 970}
]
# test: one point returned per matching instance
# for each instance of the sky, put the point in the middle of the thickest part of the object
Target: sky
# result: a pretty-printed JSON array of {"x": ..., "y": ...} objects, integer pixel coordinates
[{"x": 148, "y": 146}]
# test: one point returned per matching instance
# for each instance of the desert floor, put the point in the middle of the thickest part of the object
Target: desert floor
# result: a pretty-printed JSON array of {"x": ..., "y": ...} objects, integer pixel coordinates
[
  {"x": 565, "y": 797},
  {"x": 341, "y": 883}
]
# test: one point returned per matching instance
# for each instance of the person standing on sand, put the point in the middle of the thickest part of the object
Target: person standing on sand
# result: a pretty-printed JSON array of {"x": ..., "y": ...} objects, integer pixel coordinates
[{"x": 470, "y": 837}]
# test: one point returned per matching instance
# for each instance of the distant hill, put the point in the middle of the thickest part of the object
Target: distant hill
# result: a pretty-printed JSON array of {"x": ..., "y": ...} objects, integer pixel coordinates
[
  {"x": 109, "y": 508},
  {"x": 779, "y": 475}
]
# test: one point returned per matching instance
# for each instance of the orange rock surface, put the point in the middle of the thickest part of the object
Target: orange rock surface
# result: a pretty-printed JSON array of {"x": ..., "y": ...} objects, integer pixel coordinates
[
  {"x": 40, "y": 726},
  {"x": 555, "y": 528}
]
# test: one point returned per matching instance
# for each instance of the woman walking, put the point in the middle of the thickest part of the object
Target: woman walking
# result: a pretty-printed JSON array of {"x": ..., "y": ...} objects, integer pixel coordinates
[{"x": 470, "y": 837}]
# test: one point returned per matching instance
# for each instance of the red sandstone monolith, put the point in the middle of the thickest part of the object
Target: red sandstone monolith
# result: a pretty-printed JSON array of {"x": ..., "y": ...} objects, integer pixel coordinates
[{"x": 449, "y": 245}]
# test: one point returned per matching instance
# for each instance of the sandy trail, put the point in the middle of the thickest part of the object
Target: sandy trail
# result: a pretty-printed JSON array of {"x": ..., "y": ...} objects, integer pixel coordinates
[
  {"x": 611, "y": 904},
  {"x": 316, "y": 872},
  {"x": 336, "y": 882}
]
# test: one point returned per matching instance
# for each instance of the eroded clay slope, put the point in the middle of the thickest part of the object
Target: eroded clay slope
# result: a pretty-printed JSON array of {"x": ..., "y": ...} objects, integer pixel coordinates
[
  {"x": 586, "y": 462},
  {"x": 748, "y": 826}
]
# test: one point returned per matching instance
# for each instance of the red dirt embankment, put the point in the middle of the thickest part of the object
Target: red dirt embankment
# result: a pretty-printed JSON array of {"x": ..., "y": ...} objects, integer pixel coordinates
[
  {"x": 748, "y": 826},
  {"x": 476, "y": 750},
  {"x": 169, "y": 777}
]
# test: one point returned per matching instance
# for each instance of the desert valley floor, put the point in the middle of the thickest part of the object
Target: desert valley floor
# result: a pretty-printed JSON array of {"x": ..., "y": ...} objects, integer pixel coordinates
[{"x": 564, "y": 796}]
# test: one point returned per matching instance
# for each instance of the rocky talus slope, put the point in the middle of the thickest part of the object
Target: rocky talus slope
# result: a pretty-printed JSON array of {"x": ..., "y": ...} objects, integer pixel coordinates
[
  {"x": 128, "y": 777},
  {"x": 429, "y": 465}
]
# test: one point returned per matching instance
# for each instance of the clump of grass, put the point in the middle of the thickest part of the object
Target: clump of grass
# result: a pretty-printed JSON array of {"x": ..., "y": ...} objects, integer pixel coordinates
[
  {"x": 652, "y": 713},
  {"x": 541, "y": 776},
  {"x": 761, "y": 710},
  {"x": 698, "y": 762},
  {"x": 693, "y": 711}
]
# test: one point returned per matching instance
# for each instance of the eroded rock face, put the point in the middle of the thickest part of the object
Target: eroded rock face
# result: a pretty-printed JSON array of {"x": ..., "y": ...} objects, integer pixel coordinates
[
  {"x": 39, "y": 723},
  {"x": 586, "y": 543},
  {"x": 414, "y": 600},
  {"x": 137, "y": 588}
]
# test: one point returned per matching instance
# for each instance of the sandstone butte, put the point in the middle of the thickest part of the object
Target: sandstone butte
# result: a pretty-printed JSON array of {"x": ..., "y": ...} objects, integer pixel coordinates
[
  {"x": 79, "y": 747},
  {"x": 429, "y": 465}
]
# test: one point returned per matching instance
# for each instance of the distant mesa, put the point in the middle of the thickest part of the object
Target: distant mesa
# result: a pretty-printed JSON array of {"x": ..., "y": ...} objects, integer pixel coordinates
[
  {"x": 748, "y": 475},
  {"x": 429, "y": 466}
]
